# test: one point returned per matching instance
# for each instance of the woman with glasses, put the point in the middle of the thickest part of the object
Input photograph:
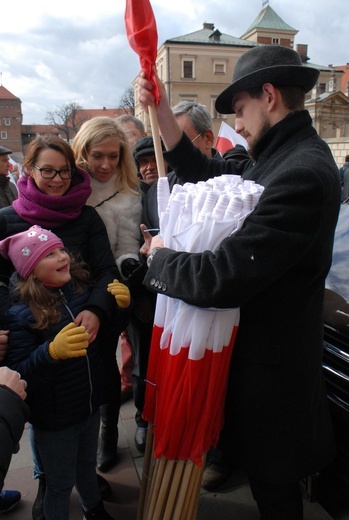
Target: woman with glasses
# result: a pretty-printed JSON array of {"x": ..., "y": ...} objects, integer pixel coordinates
[{"x": 53, "y": 193}]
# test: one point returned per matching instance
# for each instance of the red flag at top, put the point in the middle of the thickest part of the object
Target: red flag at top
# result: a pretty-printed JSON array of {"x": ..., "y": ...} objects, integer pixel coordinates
[{"x": 142, "y": 35}]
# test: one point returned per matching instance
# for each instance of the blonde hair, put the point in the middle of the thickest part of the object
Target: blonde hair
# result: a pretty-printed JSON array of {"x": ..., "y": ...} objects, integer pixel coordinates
[{"x": 98, "y": 130}]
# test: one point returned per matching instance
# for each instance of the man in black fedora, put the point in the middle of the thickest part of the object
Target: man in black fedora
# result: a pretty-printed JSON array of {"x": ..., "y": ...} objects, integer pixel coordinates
[{"x": 277, "y": 419}]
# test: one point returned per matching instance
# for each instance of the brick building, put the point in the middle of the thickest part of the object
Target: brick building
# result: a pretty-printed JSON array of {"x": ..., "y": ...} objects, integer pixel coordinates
[
  {"x": 15, "y": 136},
  {"x": 10, "y": 121}
]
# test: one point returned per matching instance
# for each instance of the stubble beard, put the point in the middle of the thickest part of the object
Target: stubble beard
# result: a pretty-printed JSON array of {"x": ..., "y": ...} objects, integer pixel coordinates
[{"x": 266, "y": 126}]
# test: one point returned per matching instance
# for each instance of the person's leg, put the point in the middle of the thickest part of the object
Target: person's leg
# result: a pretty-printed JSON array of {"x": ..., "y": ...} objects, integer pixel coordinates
[
  {"x": 38, "y": 467},
  {"x": 140, "y": 335},
  {"x": 126, "y": 366},
  {"x": 277, "y": 501},
  {"x": 86, "y": 479},
  {"x": 58, "y": 451},
  {"x": 111, "y": 399},
  {"x": 39, "y": 475}
]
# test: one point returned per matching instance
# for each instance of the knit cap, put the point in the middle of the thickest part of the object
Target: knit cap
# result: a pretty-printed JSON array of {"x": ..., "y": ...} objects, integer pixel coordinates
[{"x": 26, "y": 249}]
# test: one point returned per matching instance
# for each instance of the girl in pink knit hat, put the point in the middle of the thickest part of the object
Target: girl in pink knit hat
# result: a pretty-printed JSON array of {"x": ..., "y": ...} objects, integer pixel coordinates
[{"x": 64, "y": 372}]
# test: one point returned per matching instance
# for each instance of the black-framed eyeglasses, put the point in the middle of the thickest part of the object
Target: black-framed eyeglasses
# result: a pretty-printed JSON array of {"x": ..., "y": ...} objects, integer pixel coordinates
[
  {"x": 50, "y": 173},
  {"x": 195, "y": 138}
]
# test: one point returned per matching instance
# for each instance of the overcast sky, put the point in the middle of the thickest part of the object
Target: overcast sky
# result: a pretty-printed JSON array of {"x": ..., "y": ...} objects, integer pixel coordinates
[{"x": 53, "y": 53}]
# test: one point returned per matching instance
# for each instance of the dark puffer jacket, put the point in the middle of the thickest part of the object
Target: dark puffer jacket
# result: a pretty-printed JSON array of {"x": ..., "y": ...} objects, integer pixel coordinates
[{"x": 60, "y": 393}]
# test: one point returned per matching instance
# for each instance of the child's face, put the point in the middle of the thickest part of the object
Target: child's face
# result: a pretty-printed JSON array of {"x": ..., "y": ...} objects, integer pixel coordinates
[{"x": 54, "y": 268}]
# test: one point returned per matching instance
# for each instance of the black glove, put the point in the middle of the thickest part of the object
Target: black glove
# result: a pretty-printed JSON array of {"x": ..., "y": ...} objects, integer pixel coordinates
[
  {"x": 128, "y": 266},
  {"x": 134, "y": 271}
]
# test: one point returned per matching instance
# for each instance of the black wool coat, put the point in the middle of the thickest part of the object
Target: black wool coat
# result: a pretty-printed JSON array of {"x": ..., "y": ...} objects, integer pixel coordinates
[
  {"x": 13, "y": 415},
  {"x": 274, "y": 269}
]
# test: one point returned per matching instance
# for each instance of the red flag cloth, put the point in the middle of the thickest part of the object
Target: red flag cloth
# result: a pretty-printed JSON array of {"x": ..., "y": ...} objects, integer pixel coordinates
[
  {"x": 142, "y": 35},
  {"x": 185, "y": 399},
  {"x": 228, "y": 138}
]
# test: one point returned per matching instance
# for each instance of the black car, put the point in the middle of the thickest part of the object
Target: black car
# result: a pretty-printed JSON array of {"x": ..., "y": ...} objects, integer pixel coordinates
[{"x": 333, "y": 482}]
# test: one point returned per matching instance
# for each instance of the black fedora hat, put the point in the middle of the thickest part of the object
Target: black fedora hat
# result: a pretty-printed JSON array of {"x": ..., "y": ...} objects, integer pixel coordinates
[{"x": 274, "y": 64}]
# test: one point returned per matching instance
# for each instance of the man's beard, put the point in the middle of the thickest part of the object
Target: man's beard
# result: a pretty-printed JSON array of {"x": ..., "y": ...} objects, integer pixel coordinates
[{"x": 266, "y": 126}]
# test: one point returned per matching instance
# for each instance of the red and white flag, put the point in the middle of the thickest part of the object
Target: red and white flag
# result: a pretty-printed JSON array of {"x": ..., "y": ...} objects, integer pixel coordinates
[{"x": 228, "y": 138}]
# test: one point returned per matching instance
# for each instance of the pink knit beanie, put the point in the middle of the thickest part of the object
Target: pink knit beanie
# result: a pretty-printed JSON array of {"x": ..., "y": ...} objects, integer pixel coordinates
[{"x": 26, "y": 249}]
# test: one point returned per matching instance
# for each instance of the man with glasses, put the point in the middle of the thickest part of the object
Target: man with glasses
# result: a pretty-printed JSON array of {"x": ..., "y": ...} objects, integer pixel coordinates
[{"x": 195, "y": 121}]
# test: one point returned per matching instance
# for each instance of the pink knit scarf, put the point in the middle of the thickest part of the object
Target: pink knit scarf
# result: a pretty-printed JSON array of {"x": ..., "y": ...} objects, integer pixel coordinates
[{"x": 48, "y": 211}]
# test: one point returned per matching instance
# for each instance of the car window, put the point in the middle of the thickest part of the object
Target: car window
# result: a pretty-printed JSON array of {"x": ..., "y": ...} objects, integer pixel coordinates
[{"x": 336, "y": 306}]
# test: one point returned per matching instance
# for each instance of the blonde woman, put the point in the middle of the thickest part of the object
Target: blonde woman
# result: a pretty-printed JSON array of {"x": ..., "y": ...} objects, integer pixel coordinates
[{"x": 102, "y": 149}]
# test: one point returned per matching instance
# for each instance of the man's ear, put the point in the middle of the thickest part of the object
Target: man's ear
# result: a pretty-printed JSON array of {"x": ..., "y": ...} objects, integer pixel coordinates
[
  {"x": 209, "y": 138},
  {"x": 271, "y": 95}
]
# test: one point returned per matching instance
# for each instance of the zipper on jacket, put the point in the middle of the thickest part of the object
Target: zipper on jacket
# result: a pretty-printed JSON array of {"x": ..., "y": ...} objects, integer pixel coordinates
[{"x": 65, "y": 303}]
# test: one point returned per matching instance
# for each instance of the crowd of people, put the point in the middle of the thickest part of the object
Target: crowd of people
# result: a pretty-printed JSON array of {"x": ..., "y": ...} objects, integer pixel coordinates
[{"x": 78, "y": 265}]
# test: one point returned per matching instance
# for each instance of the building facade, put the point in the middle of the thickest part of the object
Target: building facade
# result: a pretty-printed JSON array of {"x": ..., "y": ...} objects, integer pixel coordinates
[
  {"x": 10, "y": 121},
  {"x": 15, "y": 136},
  {"x": 199, "y": 65}
]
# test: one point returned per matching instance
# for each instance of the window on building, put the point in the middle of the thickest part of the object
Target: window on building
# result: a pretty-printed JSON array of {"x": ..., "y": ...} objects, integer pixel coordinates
[
  {"x": 276, "y": 41},
  {"x": 192, "y": 99},
  {"x": 7, "y": 121},
  {"x": 322, "y": 88},
  {"x": 188, "y": 69},
  {"x": 219, "y": 67},
  {"x": 3, "y": 135},
  {"x": 214, "y": 113}
]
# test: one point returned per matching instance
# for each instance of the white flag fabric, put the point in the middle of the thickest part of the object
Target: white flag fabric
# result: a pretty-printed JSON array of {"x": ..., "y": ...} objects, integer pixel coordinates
[{"x": 228, "y": 138}]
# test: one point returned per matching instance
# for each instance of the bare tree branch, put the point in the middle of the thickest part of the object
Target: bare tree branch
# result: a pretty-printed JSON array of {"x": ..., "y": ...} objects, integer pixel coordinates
[
  {"x": 127, "y": 101},
  {"x": 67, "y": 119}
]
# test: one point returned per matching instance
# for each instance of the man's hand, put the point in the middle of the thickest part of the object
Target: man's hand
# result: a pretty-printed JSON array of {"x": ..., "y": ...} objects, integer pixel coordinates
[
  {"x": 149, "y": 241},
  {"x": 145, "y": 249},
  {"x": 156, "y": 241},
  {"x": 170, "y": 132},
  {"x": 90, "y": 321},
  {"x": 13, "y": 380}
]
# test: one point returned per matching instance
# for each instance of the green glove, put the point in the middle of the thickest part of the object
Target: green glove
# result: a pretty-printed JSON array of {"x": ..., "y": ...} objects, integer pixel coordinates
[
  {"x": 70, "y": 342},
  {"x": 121, "y": 293}
]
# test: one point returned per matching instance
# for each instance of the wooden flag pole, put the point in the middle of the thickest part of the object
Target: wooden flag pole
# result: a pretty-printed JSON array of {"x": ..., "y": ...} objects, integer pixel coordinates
[{"x": 157, "y": 142}]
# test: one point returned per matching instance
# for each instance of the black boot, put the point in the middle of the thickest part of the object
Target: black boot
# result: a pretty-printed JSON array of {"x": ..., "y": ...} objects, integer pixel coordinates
[
  {"x": 97, "y": 513},
  {"x": 108, "y": 439},
  {"x": 104, "y": 487},
  {"x": 38, "y": 506}
]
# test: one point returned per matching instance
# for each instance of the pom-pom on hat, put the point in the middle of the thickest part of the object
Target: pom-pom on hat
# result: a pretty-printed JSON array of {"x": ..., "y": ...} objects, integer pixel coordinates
[{"x": 26, "y": 249}]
